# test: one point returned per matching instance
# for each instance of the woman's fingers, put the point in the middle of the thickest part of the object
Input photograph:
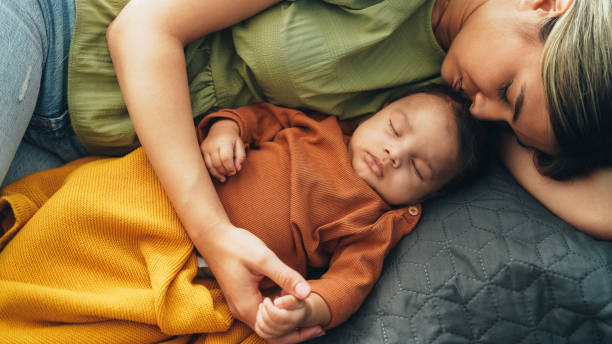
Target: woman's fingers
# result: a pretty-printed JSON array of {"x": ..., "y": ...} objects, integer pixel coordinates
[
  {"x": 240, "y": 267},
  {"x": 299, "y": 335}
]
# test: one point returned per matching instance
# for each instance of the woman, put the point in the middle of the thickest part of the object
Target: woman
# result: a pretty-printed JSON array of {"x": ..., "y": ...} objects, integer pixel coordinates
[{"x": 495, "y": 53}]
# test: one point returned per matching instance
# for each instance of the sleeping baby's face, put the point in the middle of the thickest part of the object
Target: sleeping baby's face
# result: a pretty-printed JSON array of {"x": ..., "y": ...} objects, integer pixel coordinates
[{"x": 409, "y": 149}]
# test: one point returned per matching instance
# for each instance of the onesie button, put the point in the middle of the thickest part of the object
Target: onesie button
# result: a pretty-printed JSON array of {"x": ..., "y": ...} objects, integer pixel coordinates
[{"x": 412, "y": 210}]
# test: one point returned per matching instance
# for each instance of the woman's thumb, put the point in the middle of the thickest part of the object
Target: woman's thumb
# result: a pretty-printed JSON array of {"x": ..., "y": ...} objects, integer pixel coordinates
[{"x": 288, "y": 279}]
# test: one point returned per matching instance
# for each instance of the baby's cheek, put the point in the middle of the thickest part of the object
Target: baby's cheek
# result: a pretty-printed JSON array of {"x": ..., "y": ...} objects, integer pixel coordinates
[{"x": 404, "y": 189}]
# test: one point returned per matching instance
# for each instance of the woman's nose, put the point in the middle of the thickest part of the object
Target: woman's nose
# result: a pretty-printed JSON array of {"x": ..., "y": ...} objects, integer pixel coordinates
[{"x": 487, "y": 109}]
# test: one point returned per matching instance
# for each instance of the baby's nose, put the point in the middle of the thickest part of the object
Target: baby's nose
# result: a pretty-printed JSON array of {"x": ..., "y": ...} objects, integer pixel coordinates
[{"x": 393, "y": 158}]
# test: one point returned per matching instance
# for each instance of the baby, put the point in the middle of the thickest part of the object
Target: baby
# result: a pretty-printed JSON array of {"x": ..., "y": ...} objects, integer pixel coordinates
[
  {"x": 339, "y": 194},
  {"x": 118, "y": 260}
]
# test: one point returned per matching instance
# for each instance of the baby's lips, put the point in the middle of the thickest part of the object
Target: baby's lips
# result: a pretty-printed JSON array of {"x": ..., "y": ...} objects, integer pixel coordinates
[{"x": 374, "y": 165}]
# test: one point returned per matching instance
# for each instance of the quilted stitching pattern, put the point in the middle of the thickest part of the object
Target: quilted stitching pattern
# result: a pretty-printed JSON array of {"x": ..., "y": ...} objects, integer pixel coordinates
[{"x": 489, "y": 264}]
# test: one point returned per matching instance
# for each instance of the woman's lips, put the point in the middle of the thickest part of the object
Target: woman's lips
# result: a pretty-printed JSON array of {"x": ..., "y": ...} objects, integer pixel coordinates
[
  {"x": 374, "y": 164},
  {"x": 458, "y": 84}
]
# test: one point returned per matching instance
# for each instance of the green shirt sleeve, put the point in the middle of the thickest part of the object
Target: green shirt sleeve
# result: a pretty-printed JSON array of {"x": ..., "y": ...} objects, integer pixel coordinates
[{"x": 351, "y": 4}]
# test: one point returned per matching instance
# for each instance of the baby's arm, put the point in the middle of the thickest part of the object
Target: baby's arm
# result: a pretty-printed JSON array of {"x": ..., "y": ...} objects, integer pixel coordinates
[
  {"x": 223, "y": 150},
  {"x": 286, "y": 313}
]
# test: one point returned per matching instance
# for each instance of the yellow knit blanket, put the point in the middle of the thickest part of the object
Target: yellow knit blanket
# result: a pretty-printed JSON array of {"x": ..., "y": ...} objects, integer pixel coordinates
[{"x": 92, "y": 252}]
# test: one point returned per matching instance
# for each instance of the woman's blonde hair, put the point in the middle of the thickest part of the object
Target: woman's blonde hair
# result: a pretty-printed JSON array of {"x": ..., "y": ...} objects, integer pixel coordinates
[{"x": 577, "y": 77}]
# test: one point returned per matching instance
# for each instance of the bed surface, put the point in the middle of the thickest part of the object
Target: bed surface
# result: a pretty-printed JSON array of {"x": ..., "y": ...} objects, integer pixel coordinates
[{"x": 488, "y": 264}]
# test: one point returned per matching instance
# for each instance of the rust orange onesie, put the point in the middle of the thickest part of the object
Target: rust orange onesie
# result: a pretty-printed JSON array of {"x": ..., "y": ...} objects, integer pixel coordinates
[{"x": 298, "y": 192}]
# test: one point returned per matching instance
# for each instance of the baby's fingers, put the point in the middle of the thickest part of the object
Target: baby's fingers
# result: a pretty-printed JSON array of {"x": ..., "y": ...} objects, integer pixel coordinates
[
  {"x": 216, "y": 157},
  {"x": 288, "y": 302},
  {"x": 208, "y": 161},
  {"x": 226, "y": 159},
  {"x": 239, "y": 154},
  {"x": 265, "y": 326}
]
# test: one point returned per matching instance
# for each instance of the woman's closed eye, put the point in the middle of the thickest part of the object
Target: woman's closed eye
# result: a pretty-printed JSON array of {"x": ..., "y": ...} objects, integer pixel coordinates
[
  {"x": 502, "y": 92},
  {"x": 522, "y": 144}
]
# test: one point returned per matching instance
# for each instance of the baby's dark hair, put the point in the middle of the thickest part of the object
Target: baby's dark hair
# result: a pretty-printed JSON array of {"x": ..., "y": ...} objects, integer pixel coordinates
[{"x": 472, "y": 134}]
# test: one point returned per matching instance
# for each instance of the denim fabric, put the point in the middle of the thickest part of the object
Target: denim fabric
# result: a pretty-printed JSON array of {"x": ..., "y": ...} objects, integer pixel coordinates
[
  {"x": 30, "y": 158},
  {"x": 35, "y": 38}
]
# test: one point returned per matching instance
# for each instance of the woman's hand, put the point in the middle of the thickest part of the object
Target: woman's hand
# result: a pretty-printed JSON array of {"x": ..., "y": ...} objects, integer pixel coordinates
[
  {"x": 223, "y": 150},
  {"x": 239, "y": 261}
]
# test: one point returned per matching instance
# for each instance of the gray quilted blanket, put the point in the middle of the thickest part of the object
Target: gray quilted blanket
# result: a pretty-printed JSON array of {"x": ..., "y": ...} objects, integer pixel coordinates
[{"x": 488, "y": 264}]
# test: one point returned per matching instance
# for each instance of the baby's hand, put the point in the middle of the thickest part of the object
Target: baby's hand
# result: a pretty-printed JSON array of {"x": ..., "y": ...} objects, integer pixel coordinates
[
  {"x": 223, "y": 150},
  {"x": 284, "y": 315}
]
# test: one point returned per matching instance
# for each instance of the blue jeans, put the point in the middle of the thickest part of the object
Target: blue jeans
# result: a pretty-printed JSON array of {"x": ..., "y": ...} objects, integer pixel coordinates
[{"x": 34, "y": 39}]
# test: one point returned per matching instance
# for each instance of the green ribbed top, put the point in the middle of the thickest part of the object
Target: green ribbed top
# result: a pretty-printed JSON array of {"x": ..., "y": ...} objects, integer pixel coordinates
[{"x": 341, "y": 57}]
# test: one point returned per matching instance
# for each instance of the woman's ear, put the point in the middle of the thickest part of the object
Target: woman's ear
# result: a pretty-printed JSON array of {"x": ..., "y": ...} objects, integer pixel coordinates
[
  {"x": 549, "y": 8},
  {"x": 560, "y": 7}
]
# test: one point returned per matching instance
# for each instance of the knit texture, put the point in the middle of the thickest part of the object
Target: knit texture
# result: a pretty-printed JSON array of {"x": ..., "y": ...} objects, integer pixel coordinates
[{"x": 92, "y": 252}]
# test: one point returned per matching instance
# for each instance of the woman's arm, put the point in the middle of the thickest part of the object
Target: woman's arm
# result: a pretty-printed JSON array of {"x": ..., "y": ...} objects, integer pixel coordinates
[
  {"x": 585, "y": 203},
  {"x": 146, "y": 42}
]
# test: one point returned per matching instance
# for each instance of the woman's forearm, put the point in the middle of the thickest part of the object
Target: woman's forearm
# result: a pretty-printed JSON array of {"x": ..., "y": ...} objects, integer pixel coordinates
[
  {"x": 146, "y": 42},
  {"x": 585, "y": 203},
  {"x": 154, "y": 85}
]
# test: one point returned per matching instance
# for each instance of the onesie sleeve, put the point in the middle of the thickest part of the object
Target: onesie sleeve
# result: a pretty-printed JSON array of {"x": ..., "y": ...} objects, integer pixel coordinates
[
  {"x": 258, "y": 123},
  {"x": 357, "y": 262}
]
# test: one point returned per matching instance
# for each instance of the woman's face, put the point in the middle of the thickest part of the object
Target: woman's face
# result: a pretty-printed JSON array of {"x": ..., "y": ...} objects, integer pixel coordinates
[{"x": 495, "y": 60}]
